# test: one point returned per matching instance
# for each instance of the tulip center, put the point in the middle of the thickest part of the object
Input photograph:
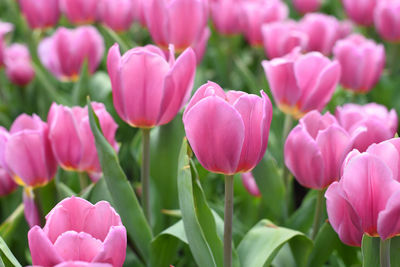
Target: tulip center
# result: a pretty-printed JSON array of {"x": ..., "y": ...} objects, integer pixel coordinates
[{"x": 293, "y": 111}]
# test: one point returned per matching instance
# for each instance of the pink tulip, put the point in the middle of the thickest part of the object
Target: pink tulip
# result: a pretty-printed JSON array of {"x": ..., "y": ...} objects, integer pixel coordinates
[
  {"x": 147, "y": 89},
  {"x": 79, "y": 11},
  {"x": 305, "y": 6},
  {"x": 116, "y": 14},
  {"x": 322, "y": 144},
  {"x": 40, "y": 14},
  {"x": 72, "y": 140},
  {"x": 258, "y": 12},
  {"x": 76, "y": 230},
  {"x": 64, "y": 53},
  {"x": 4, "y": 29},
  {"x": 250, "y": 184},
  {"x": 368, "y": 124},
  {"x": 322, "y": 30},
  {"x": 281, "y": 37},
  {"x": 226, "y": 16},
  {"x": 228, "y": 132},
  {"x": 7, "y": 185},
  {"x": 362, "y": 62},
  {"x": 360, "y": 11},
  {"x": 301, "y": 83},
  {"x": 138, "y": 7},
  {"x": 179, "y": 22},
  {"x": 367, "y": 197},
  {"x": 83, "y": 264},
  {"x": 386, "y": 18},
  {"x": 18, "y": 64}
]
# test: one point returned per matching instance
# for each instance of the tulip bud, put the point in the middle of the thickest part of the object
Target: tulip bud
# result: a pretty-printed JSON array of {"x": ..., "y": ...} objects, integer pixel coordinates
[
  {"x": 386, "y": 20},
  {"x": 305, "y": 6},
  {"x": 4, "y": 29},
  {"x": 360, "y": 11},
  {"x": 116, "y": 14},
  {"x": 18, "y": 64},
  {"x": 79, "y": 11},
  {"x": 40, "y": 14}
]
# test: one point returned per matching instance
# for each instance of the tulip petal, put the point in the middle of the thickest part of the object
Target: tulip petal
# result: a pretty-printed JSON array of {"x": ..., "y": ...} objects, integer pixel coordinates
[
  {"x": 42, "y": 250},
  {"x": 387, "y": 152},
  {"x": 368, "y": 132},
  {"x": 314, "y": 122},
  {"x": 389, "y": 218},
  {"x": 31, "y": 211},
  {"x": 114, "y": 247}
]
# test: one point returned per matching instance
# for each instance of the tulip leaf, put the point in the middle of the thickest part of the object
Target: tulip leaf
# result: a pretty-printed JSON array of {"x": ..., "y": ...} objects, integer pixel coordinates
[
  {"x": 123, "y": 196},
  {"x": 395, "y": 251},
  {"x": 370, "y": 251},
  {"x": 302, "y": 218},
  {"x": 8, "y": 227},
  {"x": 262, "y": 243},
  {"x": 81, "y": 86},
  {"x": 8, "y": 254}
]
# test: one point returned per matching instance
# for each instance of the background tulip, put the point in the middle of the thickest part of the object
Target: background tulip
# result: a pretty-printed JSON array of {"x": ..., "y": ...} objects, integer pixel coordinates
[
  {"x": 76, "y": 230},
  {"x": 7, "y": 185},
  {"x": 138, "y": 7},
  {"x": 147, "y": 89},
  {"x": 116, "y": 14},
  {"x": 362, "y": 62},
  {"x": 386, "y": 19},
  {"x": 18, "y": 64},
  {"x": 305, "y": 6},
  {"x": 301, "y": 83},
  {"x": 225, "y": 15},
  {"x": 40, "y": 14},
  {"x": 4, "y": 29},
  {"x": 79, "y": 11},
  {"x": 360, "y": 11},
  {"x": 250, "y": 184}
]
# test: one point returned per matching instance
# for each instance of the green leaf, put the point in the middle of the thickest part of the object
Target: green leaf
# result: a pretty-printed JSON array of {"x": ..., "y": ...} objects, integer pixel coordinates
[
  {"x": 262, "y": 243},
  {"x": 124, "y": 198},
  {"x": 370, "y": 251},
  {"x": 395, "y": 251},
  {"x": 7, "y": 252},
  {"x": 302, "y": 218},
  {"x": 81, "y": 86},
  {"x": 8, "y": 227},
  {"x": 63, "y": 190}
]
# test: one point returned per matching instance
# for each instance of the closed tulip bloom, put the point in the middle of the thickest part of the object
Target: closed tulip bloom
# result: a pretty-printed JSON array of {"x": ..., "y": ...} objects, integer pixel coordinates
[
  {"x": 258, "y": 12},
  {"x": 301, "y": 83},
  {"x": 5, "y": 28},
  {"x": 368, "y": 124},
  {"x": 40, "y": 14},
  {"x": 18, "y": 64},
  {"x": 360, "y": 11},
  {"x": 228, "y": 132},
  {"x": 64, "y": 53},
  {"x": 305, "y": 6},
  {"x": 250, "y": 184},
  {"x": 386, "y": 18},
  {"x": 83, "y": 264},
  {"x": 225, "y": 15},
  {"x": 7, "y": 185},
  {"x": 281, "y": 37},
  {"x": 147, "y": 89},
  {"x": 322, "y": 144},
  {"x": 72, "y": 140},
  {"x": 79, "y": 11},
  {"x": 78, "y": 231},
  {"x": 138, "y": 7},
  {"x": 116, "y": 14},
  {"x": 323, "y": 31},
  {"x": 362, "y": 62}
]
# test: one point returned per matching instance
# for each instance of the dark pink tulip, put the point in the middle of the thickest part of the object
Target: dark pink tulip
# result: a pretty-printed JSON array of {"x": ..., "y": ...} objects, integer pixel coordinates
[
  {"x": 64, "y": 53},
  {"x": 281, "y": 37},
  {"x": 147, "y": 89},
  {"x": 368, "y": 124},
  {"x": 305, "y": 6},
  {"x": 322, "y": 30},
  {"x": 116, "y": 14},
  {"x": 228, "y": 132},
  {"x": 76, "y": 230},
  {"x": 362, "y": 62},
  {"x": 258, "y": 12},
  {"x": 301, "y": 83},
  {"x": 18, "y": 64},
  {"x": 386, "y": 18},
  {"x": 225, "y": 15},
  {"x": 72, "y": 140},
  {"x": 40, "y": 14},
  {"x": 5, "y": 28},
  {"x": 360, "y": 11},
  {"x": 315, "y": 150},
  {"x": 79, "y": 11},
  {"x": 250, "y": 184}
]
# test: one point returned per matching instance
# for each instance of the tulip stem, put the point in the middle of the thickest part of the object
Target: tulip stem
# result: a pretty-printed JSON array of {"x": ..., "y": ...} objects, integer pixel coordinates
[
  {"x": 287, "y": 126},
  {"x": 228, "y": 220},
  {"x": 82, "y": 180},
  {"x": 146, "y": 173},
  {"x": 385, "y": 253},
  {"x": 318, "y": 213}
]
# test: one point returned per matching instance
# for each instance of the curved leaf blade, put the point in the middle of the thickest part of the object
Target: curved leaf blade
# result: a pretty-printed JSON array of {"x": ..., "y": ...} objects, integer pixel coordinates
[{"x": 7, "y": 252}]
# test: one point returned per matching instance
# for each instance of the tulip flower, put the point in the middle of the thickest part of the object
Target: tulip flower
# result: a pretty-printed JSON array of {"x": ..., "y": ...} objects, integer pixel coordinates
[
  {"x": 18, "y": 64},
  {"x": 82, "y": 264},
  {"x": 225, "y": 15},
  {"x": 322, "y": 30},
  {"x": 368, "y": 124},
  {"x": 256, "y": 13},
  {"x": 4, "y": 29},
  {"x": 72, "y": 140},
  {"x": 386, "y": 21},
  {"x": 78, "y": 231},
  {"x": 7, "y": 185},
  {"x": 116, "y": 14},
  {"x": 138, "y": 7},
  {"x": 250, "y": 184},
  {"x": 64, "y": 53},
  {"x": 301, "y": 83},
  {"x": 366, "y": 199},
  {"x": 179, "y": 22},
  {"x": 305, "y": 6},
  {"x": 79, "y": 11},
  {"x": 362, "y": 62},
  {"x": 281, "y": 37},
  {"x": 360, "y": 11},
  {"x": 40, "y": 14}
]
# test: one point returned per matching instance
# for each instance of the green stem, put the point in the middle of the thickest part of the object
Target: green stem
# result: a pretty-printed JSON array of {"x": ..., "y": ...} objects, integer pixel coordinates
[
  {"x": 287, "y": 126},
  {"x": 385, "y": 253},
  {"x": 318, "y": 213},
  {"x": 146, "y": 172},
  {"x": 82, "y": 180},
  {"x": 228, "y": 220}
]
